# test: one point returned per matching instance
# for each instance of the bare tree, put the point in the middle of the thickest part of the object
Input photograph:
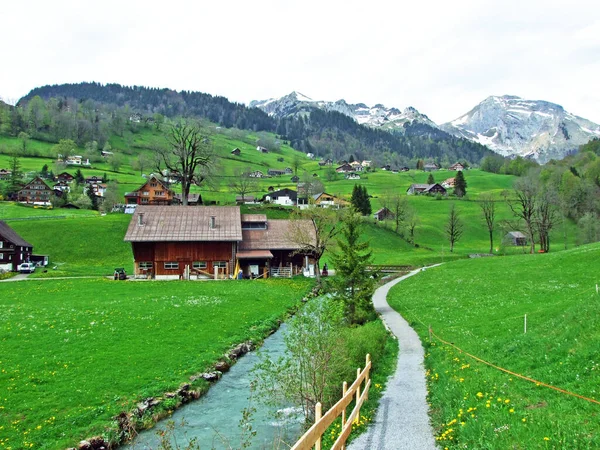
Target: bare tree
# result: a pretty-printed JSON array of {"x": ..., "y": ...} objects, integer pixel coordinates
[
  {"x": 398, "y": 205},
  {"x": 488, "y": 209},
  {"x": 297, "y": 162},
  {"x": 412, "y": 221},
  {"x": 524, "y": 205},
  {"x": 454, "y": 227},
  {"x": 313, "y": 230},
  {"x": 546, "y": 215},
  {"x": 140, "y": 163},
  {"x": 242, "y": 183},
  {"x": 190, "y": 155}
]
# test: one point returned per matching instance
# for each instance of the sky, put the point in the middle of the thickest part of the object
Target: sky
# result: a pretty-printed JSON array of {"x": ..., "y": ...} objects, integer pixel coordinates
[{"x": 441, "y": 57}]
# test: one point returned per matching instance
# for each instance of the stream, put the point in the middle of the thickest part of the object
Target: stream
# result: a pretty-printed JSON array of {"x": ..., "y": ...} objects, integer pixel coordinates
[{"x": 214, "y": 418}]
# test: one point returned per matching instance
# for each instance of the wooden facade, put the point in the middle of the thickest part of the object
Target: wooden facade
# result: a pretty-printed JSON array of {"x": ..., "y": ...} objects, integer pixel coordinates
[
  {"x": 14, "y": 250},
  {"x": 153, "y": 192},
  {"x": 168, "y": 260},
  {"x": 36, "y": 192}
]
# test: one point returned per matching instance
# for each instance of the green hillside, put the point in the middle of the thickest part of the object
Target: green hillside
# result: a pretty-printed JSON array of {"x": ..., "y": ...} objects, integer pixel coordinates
[{"x": 479, "y": 306}]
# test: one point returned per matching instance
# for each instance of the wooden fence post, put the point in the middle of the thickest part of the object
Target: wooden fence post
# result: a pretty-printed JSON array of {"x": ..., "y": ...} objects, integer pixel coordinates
[
  {"x": 344, "y": 391},
  {"x": 317, "y": 418},
  {"x": 368, "y": 377}
]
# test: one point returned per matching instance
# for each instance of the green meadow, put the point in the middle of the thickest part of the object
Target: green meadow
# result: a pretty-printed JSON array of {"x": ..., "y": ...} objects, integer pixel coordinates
[
  {"x": 479, "y": 306},
  {"x": 75, "y": 353}
]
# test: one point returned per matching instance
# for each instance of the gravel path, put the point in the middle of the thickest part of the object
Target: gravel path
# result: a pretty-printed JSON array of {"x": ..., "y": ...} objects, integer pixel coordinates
[{"x": 402, "y": 420}]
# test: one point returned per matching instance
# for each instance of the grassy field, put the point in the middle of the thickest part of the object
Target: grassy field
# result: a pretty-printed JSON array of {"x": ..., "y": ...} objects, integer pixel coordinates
[
  {"x": 75, "y": 353},
  {"x": 479, "y": 306}
]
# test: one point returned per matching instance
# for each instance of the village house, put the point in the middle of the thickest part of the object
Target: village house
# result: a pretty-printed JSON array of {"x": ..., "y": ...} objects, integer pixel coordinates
[
  {"x": 310, "y": 155},
  {"x": 247, "y": 199},
  {"x": 295, "y": 179},
  {"x": 256, "y": 174},
  {"x": 36, "y": 192},
  {"x": 352, "y": 176},
  {"x": 5, "y": 174},
  {"x": 344, "y": 168},
  {"x": 326, "y": 162},
  {"x": 152, "y": 192},
  {"x": 14, "y": 250},
  {"x": 275, "y": 172},
  {"x": 431, "y": 167},
  {"x": 404, "y": 169},
  {"x": 65, "y": 177},
  {"x": 99, "y": 189},
  {"x": 366, "y": 163},
  {"x": 93, "y": 180},
  {"x": 426, "y": 189},
  {"x": 456, "y": 166},
  {"x": 236, "y": 151},
  {"x": 449, "y": 183},
  {"x": 77, "y": 160},
  {"x": 286, "y": 197},
  {"x": 515, "y": 238},
  {"x": 192, "y": 199},
  {"x": 321, "y": 200},
  {"x": 211, "y": 242},
  {"x": 62, "y": 186},
  {"x": 386, "y": 167},
  {"x": 383, "y": 214},
  {"x": 262, "y": 149}
]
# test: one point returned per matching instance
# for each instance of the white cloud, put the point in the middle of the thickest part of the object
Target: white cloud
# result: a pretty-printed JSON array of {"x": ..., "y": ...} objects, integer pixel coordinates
[{"x": 440, "y": 57}]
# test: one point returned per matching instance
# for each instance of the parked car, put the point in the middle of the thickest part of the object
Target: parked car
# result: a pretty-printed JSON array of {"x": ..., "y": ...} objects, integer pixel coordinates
[
  {"x": 27, "y": 268},
  {"x": 120, "y": 274}
]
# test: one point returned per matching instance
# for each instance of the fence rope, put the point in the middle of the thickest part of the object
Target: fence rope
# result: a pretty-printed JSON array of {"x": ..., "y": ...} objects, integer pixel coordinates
[{"x": 518, "y": 375}]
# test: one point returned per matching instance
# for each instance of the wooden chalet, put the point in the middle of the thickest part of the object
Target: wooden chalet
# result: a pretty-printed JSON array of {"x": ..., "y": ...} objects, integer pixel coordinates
[
  {"x": 64, "y": 177},
  {"x": 14, "y": 250},
  {"x": 383, "y": 214},
  {"x": 93, "y": 180},
  {"x": 456, "y": 166},
  {"x": 262, "y": 149},
  {"x": 449, "y": 183},
  {"x": 236, "y": 151},
  {"x": 344, "y": 168},
  {"x": 326, "y": 162},
  {"x": 386, "y": 167},
  {"x": 430, "y": 167},
  {"x": 193, "y": 199},
  {"x": 515, "y": 238},
  {"x": 211, "y": 242},
  {"x": 276, "y": 172},
  {"x": 284, "y": 196},
  {"x": 256, "y": 174},
  {"x": 426, "y": 189},
  {"x": 153, "y": 192},
  {"x": 36, "y": 192}
]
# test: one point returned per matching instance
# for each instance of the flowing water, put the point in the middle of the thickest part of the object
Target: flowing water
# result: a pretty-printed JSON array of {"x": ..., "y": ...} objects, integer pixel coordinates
[{"x": 214, "y": 419}]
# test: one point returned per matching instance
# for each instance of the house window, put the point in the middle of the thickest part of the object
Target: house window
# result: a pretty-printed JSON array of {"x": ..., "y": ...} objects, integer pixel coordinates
[
  {"x": 1, "y": 255},
  {"x": 145, "y": 193},
  {"x": 199, "y": 265},
  {"x": 220, "y": 264},
  {"x": 159, "y": 193},
  {"x": 146, "y": 265},
  {"x": 145, "y": 200},
  {"x": 153, "y": 185},
  {"x": 1, "y": 244},
  {"x": 171, "y": 265}
]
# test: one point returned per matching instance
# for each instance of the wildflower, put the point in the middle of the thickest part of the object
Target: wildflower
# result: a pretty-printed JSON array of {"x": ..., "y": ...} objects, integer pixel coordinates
[
  {"x": 546, "y": 438},
  {"x": 511, "y": 410},
  {"x": 507, "y": 401},
  {"x": 524, "y": 419},
  {"x": 479, "y": 395}
]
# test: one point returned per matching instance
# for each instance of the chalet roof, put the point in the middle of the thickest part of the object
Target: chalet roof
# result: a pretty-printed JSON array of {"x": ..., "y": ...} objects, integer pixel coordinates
[
  {"x": 245, "y": 198},
  {"x": 254, "y": 217},
  {"x": 36, "y": 180},
  {"x": 275, "y": 237},
  {"x": 192, "y": 198},
  {"x": 420, "y": 186},
  {"x": 182, "y": 223},
  {"x": 249, "y": 254},
  {"x": 382, "y": 210},
  {"x": 516, "y": 234},
  {"x": 11, "y": 235}
]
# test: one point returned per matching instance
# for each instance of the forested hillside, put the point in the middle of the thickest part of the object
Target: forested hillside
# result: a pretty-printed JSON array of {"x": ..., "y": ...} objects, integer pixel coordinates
[{"x": 87, "y": 112}]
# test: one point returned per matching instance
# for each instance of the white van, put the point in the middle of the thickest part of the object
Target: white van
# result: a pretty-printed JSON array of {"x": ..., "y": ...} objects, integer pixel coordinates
[{"x": 27, "y": 268}]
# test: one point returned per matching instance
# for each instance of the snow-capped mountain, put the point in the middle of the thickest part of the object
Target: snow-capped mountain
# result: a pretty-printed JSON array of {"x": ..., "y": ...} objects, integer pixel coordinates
[
  {"x": 377, "y": 116},
  {"x": 510, "y": 125}
]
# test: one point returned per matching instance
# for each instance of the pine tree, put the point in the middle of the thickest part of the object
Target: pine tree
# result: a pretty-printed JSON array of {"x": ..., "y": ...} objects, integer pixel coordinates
[
  {"x": 89, "y": 191},
  {"x": 366, "y": 203},
  {"x": 352, "y": 283},
  {"x": 430, "y": 179},
  {"x": 79, "y": 177},
  {"x": 460, "y": 184},
  {"x": 356, "y": 198}
]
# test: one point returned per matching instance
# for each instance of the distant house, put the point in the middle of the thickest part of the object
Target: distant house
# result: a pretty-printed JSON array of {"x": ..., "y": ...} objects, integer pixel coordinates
[
  {"x": 192, "y": 199},
  {"x": 404, "y": 169},
  {"x": 99, "y": 189},
  {"x": 383, "y": 214},
  {"x": 456, "y": 166},
  {"x": 36, "y": 192},
  {"x": 14, "y": 250},
  {"x": 236, "y": 151},
  {"x": 106, "y": 154},
  {"x": 426, "y": 189},
  {"x": 270, "y": 189},
  {"x": 275, "y": 172},
  {"x": 288, "y": 171},
  {"x": 244, "y": 199},
  {"x": 65, "y": 177},
  {"x": 386, "y": 167},
  {"x": 366, "y": 163},
  {"x": 325, "y": 200},
  {"x": 310, "y": 155},
  {"x": 515, "y": 238},
  {"x": 449, "y": 183},
  {"x": 430, "y": 167},
  {"x": 344, "y": 168},
  {"x": 295, "y": 179},
  {"x": 326, "y": 162},
  {"x": 93, "y": 180},
  {"x": 77, "y": 160},
  {"x": 5, "y": 174},
  {"x": 62, "y": 186},
  {"x": 287, "y": 197},
  {"x": 262, "y": 149},
  {"x": 256, "y": 174},
  {"x": 352, "y": 176},
  {"x": 152, "y": 192}
]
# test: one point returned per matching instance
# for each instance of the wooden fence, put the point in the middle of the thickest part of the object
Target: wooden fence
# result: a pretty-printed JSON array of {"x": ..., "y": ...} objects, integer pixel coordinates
[{"x": 313, "y": 436}]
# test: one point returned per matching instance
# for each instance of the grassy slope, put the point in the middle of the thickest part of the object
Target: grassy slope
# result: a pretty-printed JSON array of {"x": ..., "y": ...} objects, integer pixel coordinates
[
  {"x": 76, "y": 352},
  {"x": 479, "y": 305}
]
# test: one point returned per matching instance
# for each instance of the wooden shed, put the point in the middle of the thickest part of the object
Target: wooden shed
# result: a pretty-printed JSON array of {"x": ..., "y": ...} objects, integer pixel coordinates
[{"x": 515, "y": 238}]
